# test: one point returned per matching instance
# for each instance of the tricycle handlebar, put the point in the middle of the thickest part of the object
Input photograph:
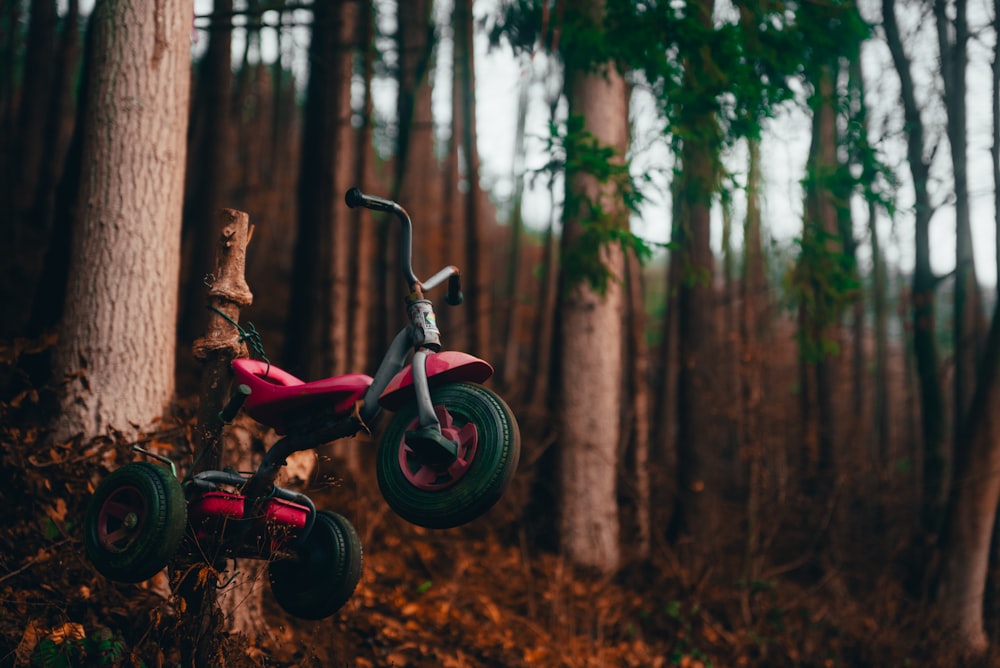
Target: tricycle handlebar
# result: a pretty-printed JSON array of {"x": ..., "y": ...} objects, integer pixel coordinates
[{"x": 355, "y": 198}]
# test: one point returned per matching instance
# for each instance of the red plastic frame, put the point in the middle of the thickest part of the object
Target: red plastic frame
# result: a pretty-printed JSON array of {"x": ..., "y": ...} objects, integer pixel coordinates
[{"x": 210, "y": 511}]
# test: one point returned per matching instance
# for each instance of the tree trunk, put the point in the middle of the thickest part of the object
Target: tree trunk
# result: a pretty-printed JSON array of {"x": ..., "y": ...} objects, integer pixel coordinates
[
  {"x": 752, "y": 316},
  {"x": 953, "y": 36},
  {"x": 975, "y": 492},
  {"x": 972, "y": 506},
  {"x": 548, "y": 291},
  {"x": 22, "y": 234},
  {"x": 822, "y": 249},
  {"x": 60, "y": 180},
  {"x": 361, "y": 232},
  {"x": 924, "y": 283},
  {"x": 209, "y": 166},
  {"x": 732, "y": 474},
  {"x": 637, "y": 427},
  {"x": 415, "y": 48},
  {"x": 663, "y": 432},
  {"x": 306, "y": 349},
  {"x": 995, "y": 146},
  {"x": 590, "y": 341},
  {"x": 697, "y": 513},
  {"x": 477, "y": 294},
  {"x": 511, "y": 361},
  {"x": 221, "y": 344},
  {"x": 117, "y": 339}
]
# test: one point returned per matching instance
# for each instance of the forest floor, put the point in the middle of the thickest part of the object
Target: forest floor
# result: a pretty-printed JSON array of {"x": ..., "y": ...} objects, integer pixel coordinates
[{"x": 492, "y": 593}]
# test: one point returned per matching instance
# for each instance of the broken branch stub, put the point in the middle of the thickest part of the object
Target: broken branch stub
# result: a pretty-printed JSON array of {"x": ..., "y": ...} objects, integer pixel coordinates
[{"x": 228, "y": 291}]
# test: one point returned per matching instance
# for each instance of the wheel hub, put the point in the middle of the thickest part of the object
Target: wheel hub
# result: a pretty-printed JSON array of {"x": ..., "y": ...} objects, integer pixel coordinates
[{"x": 430, "y": 475}]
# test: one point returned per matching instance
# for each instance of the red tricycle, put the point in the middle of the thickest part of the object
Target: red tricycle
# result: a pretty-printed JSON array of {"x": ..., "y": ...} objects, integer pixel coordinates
[{"x": 445, "y": 458}]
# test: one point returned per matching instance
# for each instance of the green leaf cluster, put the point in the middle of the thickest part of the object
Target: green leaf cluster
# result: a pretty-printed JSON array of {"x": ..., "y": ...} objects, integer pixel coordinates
[
  {"x": 597, "y": 228},
  {"x": 823, "y": 282},
  {"x": 103, "y": 648}
]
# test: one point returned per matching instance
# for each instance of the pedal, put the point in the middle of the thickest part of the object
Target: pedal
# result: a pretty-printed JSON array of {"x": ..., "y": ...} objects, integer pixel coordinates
[{"x": 432, "y": 446}]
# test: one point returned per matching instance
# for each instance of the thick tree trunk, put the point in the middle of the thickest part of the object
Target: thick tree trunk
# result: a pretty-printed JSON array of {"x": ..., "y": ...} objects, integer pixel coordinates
[
  {"x": 117, "y": 338},
  {"x": 590, "y": 342}
]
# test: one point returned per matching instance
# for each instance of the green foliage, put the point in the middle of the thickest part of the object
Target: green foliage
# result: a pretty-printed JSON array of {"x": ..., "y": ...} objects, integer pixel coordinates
[
  {"x": 74, "y": 648},
  {"x": 577, "y": 152},
  {"x": 684, "y": 648},
  {"x": 823, "y": 283}
]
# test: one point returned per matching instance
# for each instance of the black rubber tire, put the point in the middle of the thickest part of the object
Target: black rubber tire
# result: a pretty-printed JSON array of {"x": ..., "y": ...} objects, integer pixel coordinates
[
  {"x": 487, "y": 476},
  {"x": 326, "y": 573},
  {"x": 147, "y": 496}
]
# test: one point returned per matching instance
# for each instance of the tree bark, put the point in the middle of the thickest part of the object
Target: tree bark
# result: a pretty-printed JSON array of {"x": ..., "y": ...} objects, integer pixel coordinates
[
  {"x": 953, "y": 36},
  {"x": 511, "y": 356},
  {"x": 361, "y": 231},
  {"x": 210, "y": 165},
  {"x": 117, "y": 339},
  {"x": 415, "y": 47},
  {"x": 753, "y": 314},
  {"x": 933, "y": 421},
  {"x": 972, "y": 506},
  {"x": 306, "y": 349},
  {"x": 696, "y": 516},
  {"x": 477, "y": 296},
  {"x": 590, "y": 340},
  {"x": 548, "y": 290},
  {"x": 638, "y": 418},
  {"x": 22, "y": 234},
  {"x": 54, "y": 202},
  {"x": 227, "y": 294},
  {"x": 822, "y": 249}
]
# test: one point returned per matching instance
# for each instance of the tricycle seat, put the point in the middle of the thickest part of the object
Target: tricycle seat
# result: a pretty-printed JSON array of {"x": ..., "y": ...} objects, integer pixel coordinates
[{"x": 275, "y": 393}]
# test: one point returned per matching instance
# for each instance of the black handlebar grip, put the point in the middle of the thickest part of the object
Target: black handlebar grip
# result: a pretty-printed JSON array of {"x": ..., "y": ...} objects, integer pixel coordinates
[
  {"x": 355, "y": 198},
  {"x": 228, "y": 414},
  {"x": 454, "y": 296}
]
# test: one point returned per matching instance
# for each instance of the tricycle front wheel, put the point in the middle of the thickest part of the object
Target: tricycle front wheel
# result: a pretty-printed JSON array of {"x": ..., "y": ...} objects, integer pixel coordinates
[{"x": 444, "y": 495}]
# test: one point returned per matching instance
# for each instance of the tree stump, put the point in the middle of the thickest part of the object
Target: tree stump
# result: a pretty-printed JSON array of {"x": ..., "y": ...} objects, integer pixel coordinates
[{"x": 228, "y": 293}]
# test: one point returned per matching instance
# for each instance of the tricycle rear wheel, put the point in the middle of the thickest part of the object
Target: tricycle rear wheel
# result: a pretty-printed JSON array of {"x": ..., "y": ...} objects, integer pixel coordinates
[
  {"x": 325, "y": 573},
  {"x": 445, "y": 495},
  {"x": 135, "y": 522}
]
